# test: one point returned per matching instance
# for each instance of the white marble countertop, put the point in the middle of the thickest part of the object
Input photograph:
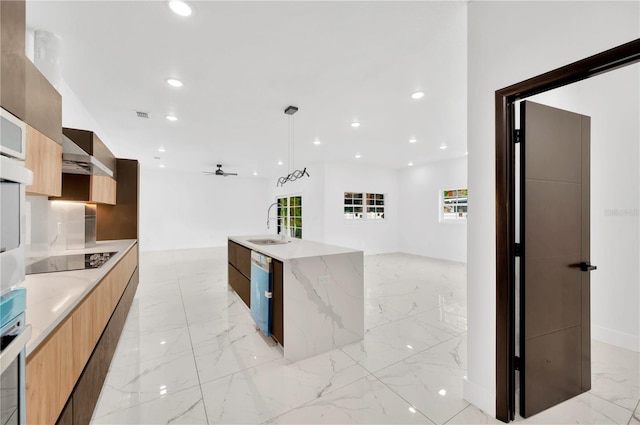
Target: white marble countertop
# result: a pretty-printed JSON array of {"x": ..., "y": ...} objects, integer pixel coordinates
[
  {"x": 294, "y": 249},
  {"x": 52, "y": 296}
]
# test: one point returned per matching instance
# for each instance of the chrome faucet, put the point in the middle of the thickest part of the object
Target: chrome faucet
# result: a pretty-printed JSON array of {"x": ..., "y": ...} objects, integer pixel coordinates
[{"x": 268, "y": 212}]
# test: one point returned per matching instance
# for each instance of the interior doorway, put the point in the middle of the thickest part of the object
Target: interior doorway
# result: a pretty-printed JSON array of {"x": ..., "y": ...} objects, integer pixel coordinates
[{"x": 506, "y": 207}]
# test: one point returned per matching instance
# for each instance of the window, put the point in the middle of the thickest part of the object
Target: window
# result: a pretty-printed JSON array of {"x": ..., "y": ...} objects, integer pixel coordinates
[
  {"x": 453, "y": 205},
  {"x": 290, "y": 216},
  {"x": 353, "y": 207},
  {"x": 369, "y": 206}
]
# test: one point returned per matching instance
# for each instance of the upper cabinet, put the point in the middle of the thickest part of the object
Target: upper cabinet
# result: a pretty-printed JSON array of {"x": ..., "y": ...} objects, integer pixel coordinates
[
  {"x": 85, "y": 160},
  {"x": 27, "y": 94},
  {"x": 44, "y": 159},
  {"x": 12, "y": 57},
  {"x": 24, "y": 91},
  {"x": 43, "y": 104},
  {"x": 90, "y": 143}
]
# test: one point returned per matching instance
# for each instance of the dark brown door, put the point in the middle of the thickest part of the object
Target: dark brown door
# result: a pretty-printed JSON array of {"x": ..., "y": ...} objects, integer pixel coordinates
[{"x": 554, "y": 285}]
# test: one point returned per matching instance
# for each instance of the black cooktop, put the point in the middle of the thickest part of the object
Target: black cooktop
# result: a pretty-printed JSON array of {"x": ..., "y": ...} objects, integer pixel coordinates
[{"x": 63, "y": 263}]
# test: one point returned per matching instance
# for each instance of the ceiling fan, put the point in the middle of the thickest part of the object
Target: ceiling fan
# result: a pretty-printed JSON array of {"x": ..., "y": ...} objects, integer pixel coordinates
[{"x": 219, "y": 172}]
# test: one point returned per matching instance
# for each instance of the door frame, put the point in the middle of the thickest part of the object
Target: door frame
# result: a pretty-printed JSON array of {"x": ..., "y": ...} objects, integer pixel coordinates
[{"x": 505, "y": 98}]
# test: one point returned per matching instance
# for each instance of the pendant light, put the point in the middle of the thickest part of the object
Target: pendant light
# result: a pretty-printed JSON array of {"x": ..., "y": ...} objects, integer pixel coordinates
[{"x": 295, "y": 174}]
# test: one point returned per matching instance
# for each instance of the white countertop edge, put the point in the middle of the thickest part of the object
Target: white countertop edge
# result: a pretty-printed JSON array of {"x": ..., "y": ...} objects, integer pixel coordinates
[
  {"x": 41, "y": 331},
  {"x": 294, "y": 249}
]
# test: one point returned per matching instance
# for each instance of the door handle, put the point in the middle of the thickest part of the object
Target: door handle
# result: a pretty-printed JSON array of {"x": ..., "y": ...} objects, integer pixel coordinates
[{"x": 585, "y": 266}]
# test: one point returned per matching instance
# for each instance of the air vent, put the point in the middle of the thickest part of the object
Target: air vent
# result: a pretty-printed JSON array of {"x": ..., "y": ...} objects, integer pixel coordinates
[{"x": 141, "y": 114}]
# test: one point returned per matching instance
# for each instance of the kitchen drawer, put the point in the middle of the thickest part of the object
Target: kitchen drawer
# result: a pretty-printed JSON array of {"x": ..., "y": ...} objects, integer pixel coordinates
[
  {"x": 240, "y": 284},
  {"x": 240, "y": 258}
]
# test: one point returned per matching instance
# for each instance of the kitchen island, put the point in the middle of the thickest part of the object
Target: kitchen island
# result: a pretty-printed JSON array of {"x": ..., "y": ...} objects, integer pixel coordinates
[{"x": 318, "y": 296}]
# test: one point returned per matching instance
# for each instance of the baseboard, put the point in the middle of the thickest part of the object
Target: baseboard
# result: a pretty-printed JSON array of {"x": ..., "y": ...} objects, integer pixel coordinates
[
  {"x": 479, "y": 397},
  {"x": 617, "y": 338}
]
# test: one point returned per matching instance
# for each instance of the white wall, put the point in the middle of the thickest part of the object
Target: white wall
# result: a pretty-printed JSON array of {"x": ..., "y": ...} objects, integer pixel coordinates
[
  {"x": 323, "y": 202},
  {"x": 509, "y": 42},
  {"x": 191, "y": 210},
  {"x": 312, "y": 190},
  {"x": 612, "y": 101},
  {"x": 421, "y": 232},
  {"x": 371, "y": 236}
]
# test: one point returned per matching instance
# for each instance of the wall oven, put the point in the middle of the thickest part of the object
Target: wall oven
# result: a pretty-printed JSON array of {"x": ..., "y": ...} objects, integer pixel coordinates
[
  {"x": 14, "y": 334},
  {"x": 14, "y": 178}
]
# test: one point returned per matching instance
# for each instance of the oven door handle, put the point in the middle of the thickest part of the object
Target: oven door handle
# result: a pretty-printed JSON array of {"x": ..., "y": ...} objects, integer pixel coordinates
[{"x": 10, "y": 353}]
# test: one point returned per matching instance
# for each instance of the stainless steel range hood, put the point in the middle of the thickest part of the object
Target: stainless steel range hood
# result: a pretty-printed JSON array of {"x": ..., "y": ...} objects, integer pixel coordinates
[{"x": 76, "y": 161}]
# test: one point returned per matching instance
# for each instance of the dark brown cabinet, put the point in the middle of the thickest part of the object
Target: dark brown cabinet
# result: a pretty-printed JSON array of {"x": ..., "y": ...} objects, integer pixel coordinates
[
  {"x": 12, "y": 57},
  {"x": 43, "y": 103},
  {"x": 277, "y": 320},
  {"x": 24, "y": 91},
  {"x": 239, "y": 271},
  {"x": 120, "y": 221},
  {"x": 89, "y": 142}
]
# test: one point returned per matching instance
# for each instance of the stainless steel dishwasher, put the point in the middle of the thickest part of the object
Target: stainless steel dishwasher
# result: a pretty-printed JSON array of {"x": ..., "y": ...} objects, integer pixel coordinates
[{"x": 261, "y": 287}]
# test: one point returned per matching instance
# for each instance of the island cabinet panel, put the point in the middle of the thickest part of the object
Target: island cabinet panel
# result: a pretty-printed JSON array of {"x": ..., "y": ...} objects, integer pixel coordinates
[
  {"x": 50, "y": 377},
  {"x": 240, "y": 258},
  {"x": 277, "y": 322},
  {"x": 241, "y": 284},
  {"x": 44, "y": 158}
]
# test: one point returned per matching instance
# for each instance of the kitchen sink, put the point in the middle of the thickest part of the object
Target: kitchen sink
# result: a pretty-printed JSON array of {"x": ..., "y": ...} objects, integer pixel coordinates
[{"x": 267, "y": 241}]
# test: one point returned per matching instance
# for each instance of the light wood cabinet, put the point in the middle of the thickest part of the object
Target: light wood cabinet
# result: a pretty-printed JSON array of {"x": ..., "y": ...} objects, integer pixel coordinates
[
  {"x": 93, "y": 314},
  {"x": 50, "y": 377},
  {"x": 44, "y": 159},
  {"x": 103, "y": 190},
  {"x": 83, "y": 188},
  {"x": 55, "y": 367}
]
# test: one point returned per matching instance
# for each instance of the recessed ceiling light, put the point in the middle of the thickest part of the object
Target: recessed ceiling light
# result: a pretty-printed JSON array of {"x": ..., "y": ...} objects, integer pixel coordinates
[
  {"x": 172, "y": 118},
  {"x": 316, "y": 142},
  {"x": 417, "y": 95},
  {"x": 161, "y": 165},
  {"x": 466, "y": 152},
  {"x": 443, "y": 146},
  {"x": 161, "y": 149},
  {"x": 412, "y": 409},
  {"x": 442, "y": 392},
  {"x": 410, "y": 164},
  {"x": 412, "y": 140},
  {"x": 280, "y": 162},
  {"x": 355, "y": 124},
  {"x": 358, "y": 156},
  {"x": 174, "y": 82},
  {"x": 180, "y": 8},
  {"x": 255, "y": 173}
]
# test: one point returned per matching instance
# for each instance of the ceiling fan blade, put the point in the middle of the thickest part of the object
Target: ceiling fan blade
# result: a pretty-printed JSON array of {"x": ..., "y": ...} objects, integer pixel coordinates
[
  {"x": 209, "y": 173},
  {"x": 230, "y": 174}
]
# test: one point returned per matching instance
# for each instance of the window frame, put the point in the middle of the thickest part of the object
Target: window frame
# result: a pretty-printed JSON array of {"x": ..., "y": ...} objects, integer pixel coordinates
[
  {"x": 294, "y": 213},
  {"x": 461, "y": 193},
  {"x": 368, "y": 201}
]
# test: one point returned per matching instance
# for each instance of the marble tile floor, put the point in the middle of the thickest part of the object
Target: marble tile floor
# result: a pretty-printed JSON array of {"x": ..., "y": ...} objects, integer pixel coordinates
[{"x": 190, "y": 354}]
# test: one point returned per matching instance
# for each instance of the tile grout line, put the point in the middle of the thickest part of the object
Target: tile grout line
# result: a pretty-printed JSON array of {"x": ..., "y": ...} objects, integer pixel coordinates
[
  {"x": 610, "y": 402},
  {"x": 633, "y": 413},
  {"x": 193, "y": 353}
]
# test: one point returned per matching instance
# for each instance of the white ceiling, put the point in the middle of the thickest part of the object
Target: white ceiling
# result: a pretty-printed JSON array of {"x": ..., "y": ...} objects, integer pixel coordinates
[{"x": 242, "y": 63}]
